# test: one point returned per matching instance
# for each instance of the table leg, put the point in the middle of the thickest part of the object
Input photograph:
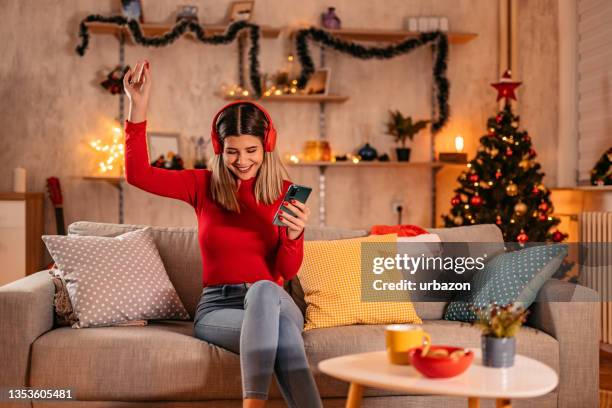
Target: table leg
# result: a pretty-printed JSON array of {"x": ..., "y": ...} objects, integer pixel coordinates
[
  {"x": 354, "y": 396},
  {"x": 503, "y": 403},
  {"x": 473, "y": 402}
]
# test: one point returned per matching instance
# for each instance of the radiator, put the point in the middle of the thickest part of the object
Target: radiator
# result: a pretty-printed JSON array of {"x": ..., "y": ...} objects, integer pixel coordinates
[{"x": 596, "y": 263}]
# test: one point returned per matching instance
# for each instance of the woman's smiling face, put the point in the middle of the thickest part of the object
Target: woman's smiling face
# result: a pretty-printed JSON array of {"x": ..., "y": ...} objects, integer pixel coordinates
[{"x": 243, "y": 155}]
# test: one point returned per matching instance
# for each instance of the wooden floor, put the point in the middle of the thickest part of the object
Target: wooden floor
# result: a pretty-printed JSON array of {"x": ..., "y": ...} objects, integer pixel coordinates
[{"x": 605, "y": 377}]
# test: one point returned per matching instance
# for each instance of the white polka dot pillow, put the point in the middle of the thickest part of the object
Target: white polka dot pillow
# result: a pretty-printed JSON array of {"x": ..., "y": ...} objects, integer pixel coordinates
[
  {"x": 111, "y": 281},
  {"x": 512, "y": 277}
]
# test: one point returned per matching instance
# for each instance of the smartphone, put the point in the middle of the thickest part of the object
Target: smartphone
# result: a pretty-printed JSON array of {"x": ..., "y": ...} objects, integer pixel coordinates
[{"x": 294, "y": 192}]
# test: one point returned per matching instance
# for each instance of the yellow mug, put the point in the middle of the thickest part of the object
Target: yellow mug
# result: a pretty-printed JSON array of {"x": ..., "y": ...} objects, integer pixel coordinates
[{"x": 400, "y": 338}]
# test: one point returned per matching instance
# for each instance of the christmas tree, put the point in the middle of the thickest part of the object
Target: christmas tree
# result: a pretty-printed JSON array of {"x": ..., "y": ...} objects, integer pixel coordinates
[{"x": 503, "y": 183}]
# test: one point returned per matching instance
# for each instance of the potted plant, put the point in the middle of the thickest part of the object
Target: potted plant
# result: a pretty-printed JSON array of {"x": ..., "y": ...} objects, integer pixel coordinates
[
  {"x": 499, "y": 325},
  {"x": 402, "y": 129}
]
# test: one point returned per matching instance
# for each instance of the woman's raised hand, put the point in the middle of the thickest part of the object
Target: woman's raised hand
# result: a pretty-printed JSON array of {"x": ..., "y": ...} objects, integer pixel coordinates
[
  {"x": 295, "y": 225},
  {"x": 137, "y": 85}
]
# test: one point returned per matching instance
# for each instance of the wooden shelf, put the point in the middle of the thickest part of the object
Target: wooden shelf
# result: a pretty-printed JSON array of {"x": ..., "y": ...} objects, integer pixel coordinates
[
  {"x": 114, "y": 180},
  {"x": 375, "y": 35},
  {"x": 156, "y": 29},
  {"x": 349, "y": 163},
  {"x": 594, "y": 189},
  {"x": 291, "y": 98}
]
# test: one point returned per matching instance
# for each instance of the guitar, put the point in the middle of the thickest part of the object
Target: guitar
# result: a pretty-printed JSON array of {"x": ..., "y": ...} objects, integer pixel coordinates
[{"x": 55, "y": 195}]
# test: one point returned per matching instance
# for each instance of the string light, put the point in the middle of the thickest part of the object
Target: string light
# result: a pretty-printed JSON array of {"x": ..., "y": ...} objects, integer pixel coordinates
[{"x": 114, "y": 151}]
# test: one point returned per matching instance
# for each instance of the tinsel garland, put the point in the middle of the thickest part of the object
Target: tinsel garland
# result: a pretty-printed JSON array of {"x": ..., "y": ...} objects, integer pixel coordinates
[
  {"x": 359, "y": 51},
  {"x": 176, "y": 32}
]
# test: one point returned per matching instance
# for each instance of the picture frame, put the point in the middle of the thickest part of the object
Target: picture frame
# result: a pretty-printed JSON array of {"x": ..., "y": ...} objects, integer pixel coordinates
[
  {"x": 241, "y": 10},
  {"x": 161, "y": 143},
  {"x": 132, "y": 9},
  {"x": 319, "y": 81}
]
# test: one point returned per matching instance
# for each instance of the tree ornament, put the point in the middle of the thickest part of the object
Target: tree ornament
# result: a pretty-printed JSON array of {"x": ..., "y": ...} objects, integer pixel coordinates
[
  {"x": 558, "y": 236},
  {"x": 525, "y": 164},
  {"x": 498, "y": 118},
  {"x": 498, "y": 174},
  {"x": 458, "y": 220},
  {"x": 506, "y": 87},
  {"x": 494, "y": 152},
  {"x": 543, "y": 206},
  {"x": 532, "y": 153},
  {"x": 515, "y": 124},
  {"x": 527, "y": 138},
  {"x": 474, "y": 177},
  {"x": 491, "y": 131},
  {"x": 522, "y": 237},
  {"x": 542, "y": 217},
  {"x": 476, "y": 200},
  {"x": 508, "y": 152},
  {"x": 456, "y": 200},
  {"x": 512, "y": 189},
  {"x": 498, "y": 220},
  {"x": 520, "y": 208}
]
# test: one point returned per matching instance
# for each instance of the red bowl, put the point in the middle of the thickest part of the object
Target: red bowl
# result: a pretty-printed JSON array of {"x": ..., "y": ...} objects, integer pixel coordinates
[{"x": 440, "y": 367}]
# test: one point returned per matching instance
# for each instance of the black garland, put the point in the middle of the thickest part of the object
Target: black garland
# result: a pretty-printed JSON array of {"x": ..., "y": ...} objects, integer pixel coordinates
[
  {"x": 177, "y": 31},
  {"x": 359, "y": 51}
]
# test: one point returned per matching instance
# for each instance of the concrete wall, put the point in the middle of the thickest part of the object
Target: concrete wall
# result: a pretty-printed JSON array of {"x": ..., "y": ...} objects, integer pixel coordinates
[{"x": 52, "y": 105}]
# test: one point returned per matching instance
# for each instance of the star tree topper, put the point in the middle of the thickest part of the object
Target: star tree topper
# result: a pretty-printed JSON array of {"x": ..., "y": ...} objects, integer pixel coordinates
[{"x": 505, "y": 87}]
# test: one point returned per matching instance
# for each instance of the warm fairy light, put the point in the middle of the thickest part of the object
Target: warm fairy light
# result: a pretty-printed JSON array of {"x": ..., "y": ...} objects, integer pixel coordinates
[
  {"x": 114, "y": 151},
  {"x": 245, "y": 93},
  {"x": 355, "y": 159},
  {"x": 289, "y": 57},
  {"x": 467, "y": 206},
  {"x": 459, "y": 143},
  {"x": 294, "y": 159},
  {"x": 469, "y": 165},
  {"x": 278, "y": 92}
]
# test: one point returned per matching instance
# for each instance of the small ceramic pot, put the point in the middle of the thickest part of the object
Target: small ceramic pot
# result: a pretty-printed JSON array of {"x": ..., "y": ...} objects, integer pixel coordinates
[{"x": 498, "y": 351}]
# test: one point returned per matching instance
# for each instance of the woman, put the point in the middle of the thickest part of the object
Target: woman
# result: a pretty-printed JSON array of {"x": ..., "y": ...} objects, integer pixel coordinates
[{"x": 243, "y": 307}]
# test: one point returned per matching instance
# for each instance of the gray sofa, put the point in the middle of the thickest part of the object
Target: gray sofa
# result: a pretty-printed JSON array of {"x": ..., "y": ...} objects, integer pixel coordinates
[{"x": 163, "y": 364}]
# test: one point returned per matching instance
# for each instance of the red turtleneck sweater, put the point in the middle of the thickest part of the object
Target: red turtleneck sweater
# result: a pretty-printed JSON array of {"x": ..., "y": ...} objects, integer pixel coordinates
[{"x": 236, "y": 247}]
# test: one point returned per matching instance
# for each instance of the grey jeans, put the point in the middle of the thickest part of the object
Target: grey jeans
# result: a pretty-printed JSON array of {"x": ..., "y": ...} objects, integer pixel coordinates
[{"x": 262, "y": 324}]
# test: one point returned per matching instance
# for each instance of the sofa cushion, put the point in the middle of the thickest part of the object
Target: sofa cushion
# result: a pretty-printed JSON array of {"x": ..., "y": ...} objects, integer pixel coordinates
[
  {"x": 336, "y": 290},
  {"x": 115, "y": 280},
  {"x": 164, "y": 361},
  {"x": 178, "y": 248}
]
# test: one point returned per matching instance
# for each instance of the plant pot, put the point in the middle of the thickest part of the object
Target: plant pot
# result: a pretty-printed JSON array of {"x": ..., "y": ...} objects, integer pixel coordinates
[
  {"x": 498, "y": 351},
  {"x": 403, "y": 153},
  {"x": 367, "y": 153}
]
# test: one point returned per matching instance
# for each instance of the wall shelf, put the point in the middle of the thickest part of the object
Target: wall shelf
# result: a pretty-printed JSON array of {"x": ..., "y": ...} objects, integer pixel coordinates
[
  {"x": 349, "y": 163},
  {"x": 376, "y": 35},
  {"x": 290, "y": 98},
  {"x": 591, "y": 189},
  {"x": 114, "y": 180},
  {"x": 157, "y": 29}
]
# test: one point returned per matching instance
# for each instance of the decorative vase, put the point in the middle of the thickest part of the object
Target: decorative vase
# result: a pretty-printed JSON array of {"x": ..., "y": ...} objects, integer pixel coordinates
[
  {"x": 498, "y": 351},
  {"x": 367, "y": 153},
  {"x": 403, "y": 154},
  {"x": 330, "y": 19}
]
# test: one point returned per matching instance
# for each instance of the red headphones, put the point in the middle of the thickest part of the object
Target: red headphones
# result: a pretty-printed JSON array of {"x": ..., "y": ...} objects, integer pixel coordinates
[{"x": 269, "y": 137}]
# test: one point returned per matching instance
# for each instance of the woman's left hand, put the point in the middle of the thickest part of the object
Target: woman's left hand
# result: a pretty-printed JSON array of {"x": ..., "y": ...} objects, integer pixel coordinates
[{"x": 295, "y": 225}]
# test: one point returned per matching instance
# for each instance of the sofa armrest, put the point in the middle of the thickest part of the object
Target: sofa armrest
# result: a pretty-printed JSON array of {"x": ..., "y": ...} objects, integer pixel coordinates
[
  {"x": 26, "y": 312},
  {"x": 571, "y": 314}
]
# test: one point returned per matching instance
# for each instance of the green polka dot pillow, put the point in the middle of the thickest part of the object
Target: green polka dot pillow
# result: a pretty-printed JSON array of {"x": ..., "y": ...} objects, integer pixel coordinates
[
  {"x": 512, "y": 277},
  {"x": 112, "y": 281}
]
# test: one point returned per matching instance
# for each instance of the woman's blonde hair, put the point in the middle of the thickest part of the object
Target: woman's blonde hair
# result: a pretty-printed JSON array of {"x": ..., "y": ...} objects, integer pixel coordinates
[{"x": 237, "y": 120}]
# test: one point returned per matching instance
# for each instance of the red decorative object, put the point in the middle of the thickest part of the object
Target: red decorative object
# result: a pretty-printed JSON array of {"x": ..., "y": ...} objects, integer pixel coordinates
[
  {"x": 498, "y": 174},
  {"x": 522, "y": 237},
  {"x": 542, "y": 217},
  {"x": 491, "y": 132},
  {"x": 455, "y": 200},
  {"x": 440, "y": 367},
  {"x": 114, "y": 80},
  {"x": 527, "y": 138},
  {"x": 532, "y": 153},
  {"x": 401, "y": 230},
  {"x": 505, "y": 87},
  {"x": 498, "y": 220},
  {"x": 474, "y": 177},
  {"x": 498, "y": 118},
  {"x": 543, "y": 206},
  {"x": 476, "y": 200},
  {"x": 508, "y": 152},
  {"x": 558, "y": 236},
  {"x": 535, "y": 191}
]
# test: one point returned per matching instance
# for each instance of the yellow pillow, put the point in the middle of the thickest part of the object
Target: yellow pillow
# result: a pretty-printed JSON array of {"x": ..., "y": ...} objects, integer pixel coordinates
[{"x": 331, "y": 279}]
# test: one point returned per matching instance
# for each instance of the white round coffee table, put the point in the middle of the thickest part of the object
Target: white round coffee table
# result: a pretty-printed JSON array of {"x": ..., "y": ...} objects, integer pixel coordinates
[{"x": 526, "y": 379}]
